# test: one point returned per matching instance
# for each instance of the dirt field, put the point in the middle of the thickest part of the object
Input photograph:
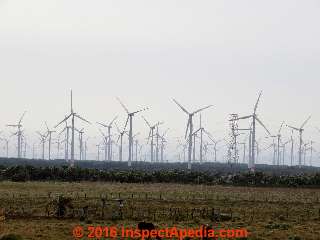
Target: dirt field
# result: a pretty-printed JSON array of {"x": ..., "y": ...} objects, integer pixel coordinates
[{"x": 266, "y": 213}]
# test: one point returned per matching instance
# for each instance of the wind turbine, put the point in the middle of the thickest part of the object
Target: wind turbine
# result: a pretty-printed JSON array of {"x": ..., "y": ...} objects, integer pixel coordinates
[
  {"x": 121, "y": 133},
  {"x": 66, "y": 140},
  {"x": 190, "y": 128},
  {"x": 58, "y": 142},
  {"x": 72, "y": 115},
  {"x": 129, "y": 119},
  {"x": 81, "y": 132},
  {"x": 136, "y": 142},
  {"x": 43, "y": 138},
  {"x": 255, "y": 118},
  {"x": 201, "y": 129},
  {"x": 86, "y": 148},
  {"x": 108, "y": 136},
  {"x": 151, "y": 135},
  {"x": 284, "y": 151},
  {"x": 300, "y": 130},
  {"x": 18, "y": 133},
  {"x": 311, "y": 151},
  {"x": 6, "y": 140},
  {"x": 106, "y": 143},
  {"x": 215, "y": 143},
  {"x": 49, "y": 134},
  {"x": 98, "y": 148},
  {"x": 279, "y": 140},
  {"x": 291, "y": 152},
  {"x": 163, "y": 140}
]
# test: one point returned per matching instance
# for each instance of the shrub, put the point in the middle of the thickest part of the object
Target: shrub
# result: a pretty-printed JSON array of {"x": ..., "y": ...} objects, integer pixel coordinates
[{"x": 11, "y": 237}]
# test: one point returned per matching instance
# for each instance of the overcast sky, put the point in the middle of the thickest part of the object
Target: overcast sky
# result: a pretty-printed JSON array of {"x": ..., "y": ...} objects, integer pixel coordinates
[{"x": 147, "y": 52}]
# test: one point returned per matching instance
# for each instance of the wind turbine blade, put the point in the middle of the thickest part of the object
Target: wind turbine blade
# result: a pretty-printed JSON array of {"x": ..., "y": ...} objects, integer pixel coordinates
[
  {"x": 305, "y": 122},
  {"x": 201, "y": 109},
  {"x": 187, "y": 129},
  {"x": 113, "y": 120},
  {"x": 141, "y": 110},
  {"x": 159, "y": 123},
  {"x": 47, "y": 126},
  {"x": 118, "y": 129},
  {"x": 78, "y": 116},
  {"x": 118, "y": 138},
  {"x": 183, "y": 109},
  {"x": 165, "y": 132},
  {"x": 102, "y": 133},
  {"x": 256, "y": 105},
  {"x": 245, "y": 117},
  {"x": 293, "y": 127},
  {"x": 287, "y": 142},
  {"x": 124, "y": 107},
  {"x": 22, "y": 117},
  {"x": 103, "y": 125},
  {"x": 146, "y": 121},
  {"x": 280, "y": 127},
  {"x": 125, "y": 126},
  {"x": 268, "y": 147},
  {"x": 263, "y": 125},
  {"x": 65, "y": 119},
  {"x": 63, "y": 130},
  {"x": 12, "y": 125},
  {"x": 209, "y": 136},
  {"x": 196, "y": 131},
  {"x": 149, "y": 134},
  {"x": 71, "y": 101}
]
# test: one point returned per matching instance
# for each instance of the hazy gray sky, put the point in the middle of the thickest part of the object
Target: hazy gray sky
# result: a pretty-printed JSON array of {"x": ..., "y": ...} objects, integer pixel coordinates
[{"x": 147, "y": 52}]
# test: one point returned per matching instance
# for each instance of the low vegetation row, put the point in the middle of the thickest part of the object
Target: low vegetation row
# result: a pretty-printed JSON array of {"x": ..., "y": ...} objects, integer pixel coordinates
[{"x": 64, "y": 173}]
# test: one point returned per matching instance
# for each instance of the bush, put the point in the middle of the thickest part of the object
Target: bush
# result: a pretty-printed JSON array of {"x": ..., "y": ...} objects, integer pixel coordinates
[{"x": 11, "y": 237}]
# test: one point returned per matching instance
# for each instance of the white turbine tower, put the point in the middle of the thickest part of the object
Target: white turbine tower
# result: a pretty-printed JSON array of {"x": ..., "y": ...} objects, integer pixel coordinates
[
  {"x": 18, "y": 133},
  {"x": 72, "y": 115},
  {"x": 190, "y": 128},
  {"x": 300, "y": 130},
  {"x": 130, "y": 120},
  {"x": 255, "y": 118}
]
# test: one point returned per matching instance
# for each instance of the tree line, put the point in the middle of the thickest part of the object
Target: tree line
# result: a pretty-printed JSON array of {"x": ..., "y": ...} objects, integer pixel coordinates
[{"x": 64, "y": 173}]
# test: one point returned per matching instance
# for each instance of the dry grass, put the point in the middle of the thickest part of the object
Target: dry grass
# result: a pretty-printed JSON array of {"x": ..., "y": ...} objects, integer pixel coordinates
[{"x": 267, "y": 213}]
